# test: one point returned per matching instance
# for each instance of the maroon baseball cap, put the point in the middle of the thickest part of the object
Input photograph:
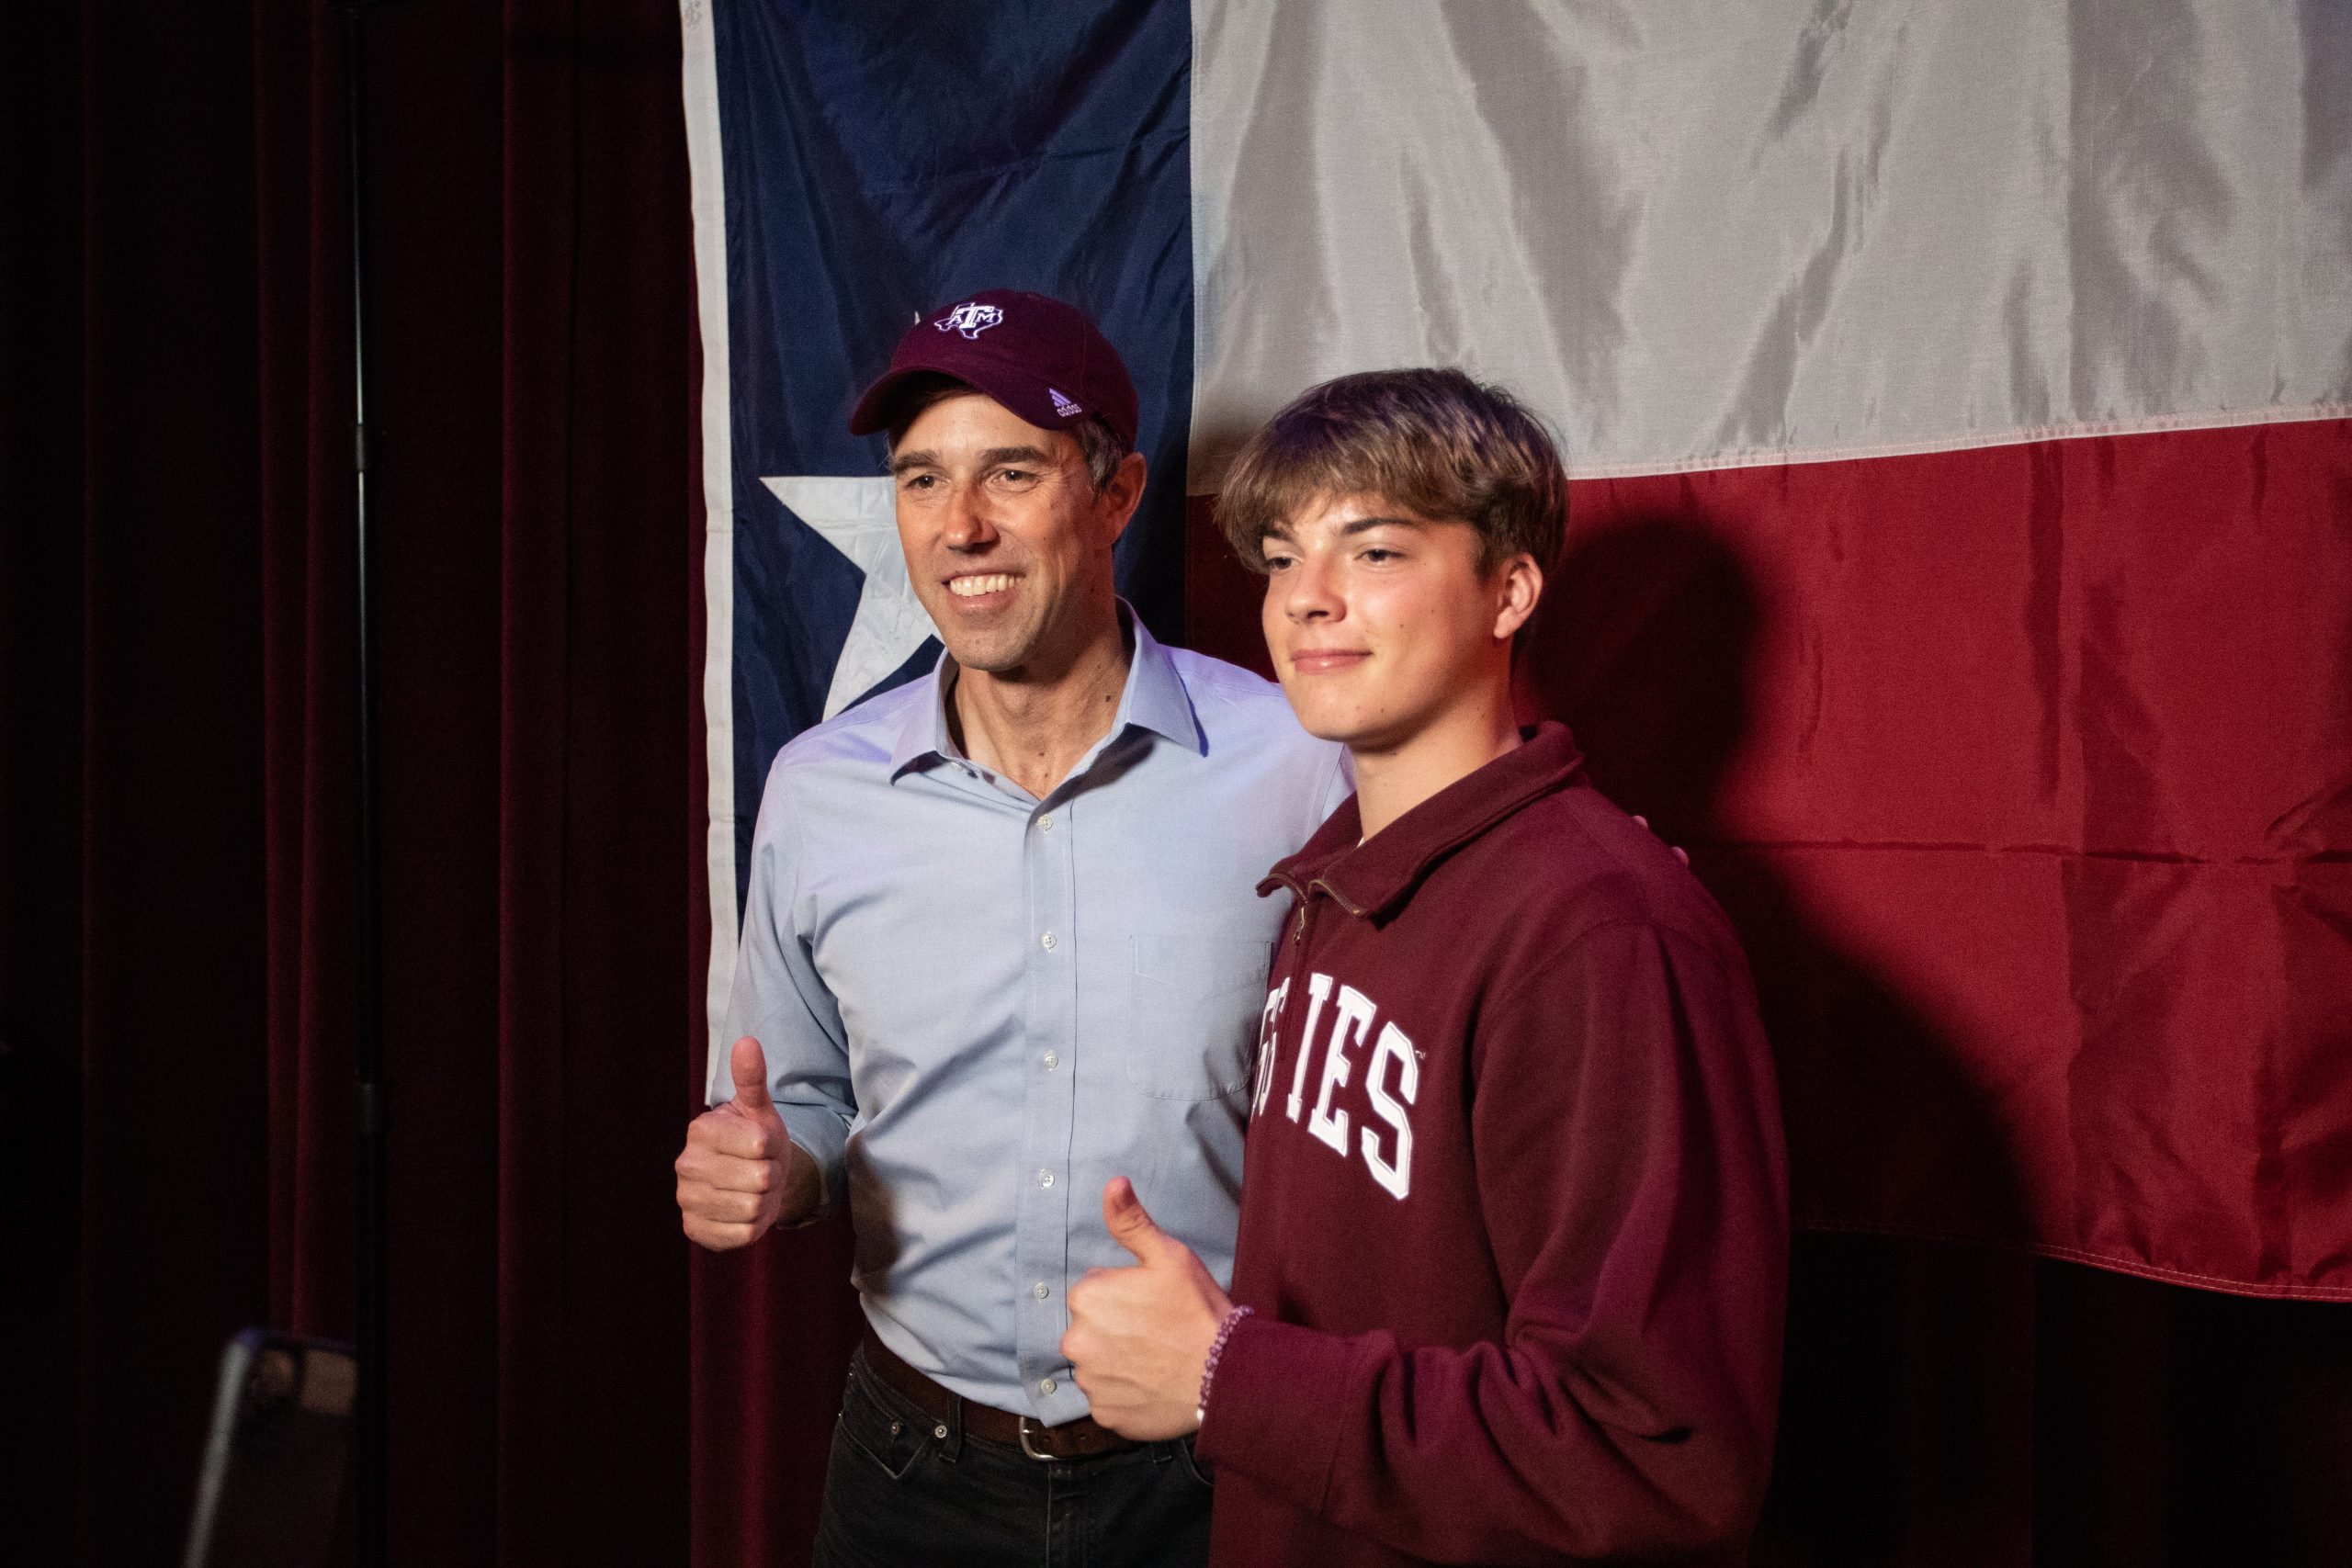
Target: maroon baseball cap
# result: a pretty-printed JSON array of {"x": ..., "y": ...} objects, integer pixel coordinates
[{"x": 1043, "y": 359}]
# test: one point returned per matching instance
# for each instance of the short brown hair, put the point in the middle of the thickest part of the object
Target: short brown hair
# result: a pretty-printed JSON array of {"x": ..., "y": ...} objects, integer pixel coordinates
[
  {"x": 1434, "y": 442},
  {"x": 1103, "y": 447}
]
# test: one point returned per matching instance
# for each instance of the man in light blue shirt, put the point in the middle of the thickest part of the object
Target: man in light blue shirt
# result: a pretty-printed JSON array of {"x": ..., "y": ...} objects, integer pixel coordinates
[{"x": 1001, "y": 943}]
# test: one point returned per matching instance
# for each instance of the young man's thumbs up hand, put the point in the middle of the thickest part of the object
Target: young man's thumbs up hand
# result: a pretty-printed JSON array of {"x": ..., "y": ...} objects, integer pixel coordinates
[{"x": 1140, "y": 1337}]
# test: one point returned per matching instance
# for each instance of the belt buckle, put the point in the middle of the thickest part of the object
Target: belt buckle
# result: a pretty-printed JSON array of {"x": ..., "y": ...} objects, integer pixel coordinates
[{"x": 1027, "y": 1422}]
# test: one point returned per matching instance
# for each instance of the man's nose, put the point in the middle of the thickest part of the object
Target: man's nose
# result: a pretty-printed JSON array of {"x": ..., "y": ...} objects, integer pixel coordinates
[{"x": 967, "y": 525}]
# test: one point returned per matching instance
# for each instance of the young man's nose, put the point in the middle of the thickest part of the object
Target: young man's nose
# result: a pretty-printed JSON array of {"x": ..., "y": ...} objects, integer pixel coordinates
[{"x": 1310, "y": 592}]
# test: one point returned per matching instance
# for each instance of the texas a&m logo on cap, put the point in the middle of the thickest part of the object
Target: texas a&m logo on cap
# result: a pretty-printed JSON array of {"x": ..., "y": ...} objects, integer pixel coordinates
[
  {"x": 970, "y": 319},
  {"x": 1043, "y": 359}
]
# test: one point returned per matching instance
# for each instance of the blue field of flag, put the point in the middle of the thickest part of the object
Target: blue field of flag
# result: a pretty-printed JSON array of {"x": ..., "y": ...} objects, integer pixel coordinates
[{"x": 866, "y": 179}]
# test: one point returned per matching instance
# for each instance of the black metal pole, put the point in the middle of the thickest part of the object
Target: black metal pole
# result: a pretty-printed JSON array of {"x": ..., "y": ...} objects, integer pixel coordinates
[{"x": 371, "y": 1447}]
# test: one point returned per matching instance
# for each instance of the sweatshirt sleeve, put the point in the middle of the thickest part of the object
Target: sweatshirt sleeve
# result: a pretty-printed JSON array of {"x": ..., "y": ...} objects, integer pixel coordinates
[
  {"x": 779, "y": 1000},
  {"x": 1629, "y": 1173}
]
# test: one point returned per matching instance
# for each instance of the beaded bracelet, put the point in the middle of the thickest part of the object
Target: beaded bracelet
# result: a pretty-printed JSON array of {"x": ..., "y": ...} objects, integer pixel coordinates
[{"x": 1216, "y": 1350}]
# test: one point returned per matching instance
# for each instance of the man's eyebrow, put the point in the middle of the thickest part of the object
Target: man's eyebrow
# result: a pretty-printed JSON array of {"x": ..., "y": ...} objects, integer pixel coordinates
[{"x": 996, "y": 455}]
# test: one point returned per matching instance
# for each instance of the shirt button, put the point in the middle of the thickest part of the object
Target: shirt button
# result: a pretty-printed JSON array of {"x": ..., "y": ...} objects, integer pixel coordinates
[
  {"x": 1041, "y": 1290},
  {"x": 1045, "y": 1179},
  {"x": 1046, "y": 942},
  {"x": 1047, "y": 1385},
  {"x": 1046, "y": 823},
  {"x": 1052, "y": 1061}
]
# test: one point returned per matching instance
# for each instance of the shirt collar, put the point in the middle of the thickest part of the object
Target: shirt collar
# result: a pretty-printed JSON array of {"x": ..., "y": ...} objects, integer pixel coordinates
[
  {"x": 1154, "y": 698},
  {"x": 1373, "y": 877}
]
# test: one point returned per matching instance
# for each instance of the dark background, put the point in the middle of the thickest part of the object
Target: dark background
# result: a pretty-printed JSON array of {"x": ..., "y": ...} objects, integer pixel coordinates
[{"x": 176, "y": 842}]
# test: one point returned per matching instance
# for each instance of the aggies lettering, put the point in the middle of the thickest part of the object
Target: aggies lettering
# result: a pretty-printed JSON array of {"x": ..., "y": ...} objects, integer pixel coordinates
[{"x": 1392, "y": 1076}]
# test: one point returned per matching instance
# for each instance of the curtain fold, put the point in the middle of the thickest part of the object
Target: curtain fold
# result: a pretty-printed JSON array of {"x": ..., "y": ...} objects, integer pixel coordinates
[{"x": 308, "y": 632}]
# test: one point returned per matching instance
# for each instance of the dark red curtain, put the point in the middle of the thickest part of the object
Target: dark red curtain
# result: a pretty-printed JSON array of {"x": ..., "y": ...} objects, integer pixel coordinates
[
  {"x": 177, "y": 660},
  {"x": 176, "y": 888}
]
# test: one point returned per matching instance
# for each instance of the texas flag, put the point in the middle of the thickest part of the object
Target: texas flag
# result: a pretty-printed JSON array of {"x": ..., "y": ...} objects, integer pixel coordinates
[{"x": 1959, "y": 398}]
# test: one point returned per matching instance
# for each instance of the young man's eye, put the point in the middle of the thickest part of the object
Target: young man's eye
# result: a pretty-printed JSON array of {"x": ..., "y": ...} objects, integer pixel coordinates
[
  {"x": 1378, "y": 553},
  {"x": 1274, "y": 559}
]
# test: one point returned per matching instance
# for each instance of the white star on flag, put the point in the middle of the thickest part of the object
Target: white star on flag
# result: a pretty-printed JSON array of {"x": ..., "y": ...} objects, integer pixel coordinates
[{"x": 857, "y": 517}]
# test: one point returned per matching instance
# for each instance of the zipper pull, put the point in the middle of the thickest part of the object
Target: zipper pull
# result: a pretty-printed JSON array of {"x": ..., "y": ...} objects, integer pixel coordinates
[{"x": 1298, "y": 931}]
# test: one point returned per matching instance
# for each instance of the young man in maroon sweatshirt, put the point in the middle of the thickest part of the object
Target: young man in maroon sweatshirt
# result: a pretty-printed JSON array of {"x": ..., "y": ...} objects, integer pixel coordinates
[{"x": 1513, "y": 1242}]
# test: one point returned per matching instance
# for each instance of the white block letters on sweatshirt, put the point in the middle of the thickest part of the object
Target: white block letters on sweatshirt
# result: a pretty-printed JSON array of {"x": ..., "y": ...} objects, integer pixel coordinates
[
  {"x": 1269, "y": 1024},
  {"x": 1355, "y": 1012},
  {"x": 1393, "y": 1057},
  {"x": 1317, "y": 987},
  {"x": 1396, "y": 1176}
]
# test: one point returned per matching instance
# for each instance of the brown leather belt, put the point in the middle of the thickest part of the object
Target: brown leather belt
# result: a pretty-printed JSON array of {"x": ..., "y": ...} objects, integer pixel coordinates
[{"x": 1083, "y": 1439}]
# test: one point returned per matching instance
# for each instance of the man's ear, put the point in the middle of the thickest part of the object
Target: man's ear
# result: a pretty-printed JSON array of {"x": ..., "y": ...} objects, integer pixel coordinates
[
  {"x": 1122, "y": 494},
  {"x": 1520, "y": 583}
]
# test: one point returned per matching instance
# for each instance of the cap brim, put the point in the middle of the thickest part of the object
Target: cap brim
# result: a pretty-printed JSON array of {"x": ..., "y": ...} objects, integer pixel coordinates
[{"x": 1024, "y": 394}]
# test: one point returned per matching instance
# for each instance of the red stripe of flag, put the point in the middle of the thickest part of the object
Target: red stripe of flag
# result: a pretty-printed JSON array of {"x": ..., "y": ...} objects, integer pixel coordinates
[{"x": 2026, "y": 772}]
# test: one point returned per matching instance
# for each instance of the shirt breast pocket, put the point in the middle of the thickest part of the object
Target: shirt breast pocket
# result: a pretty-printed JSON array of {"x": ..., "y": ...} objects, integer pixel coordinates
[{"x": 1192, "y": 1006}]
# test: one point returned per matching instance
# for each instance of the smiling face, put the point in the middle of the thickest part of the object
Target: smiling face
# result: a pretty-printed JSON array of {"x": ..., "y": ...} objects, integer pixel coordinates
[
  {"x": 1383, "y": 627},
  {"x": 1007, "y": 542}
]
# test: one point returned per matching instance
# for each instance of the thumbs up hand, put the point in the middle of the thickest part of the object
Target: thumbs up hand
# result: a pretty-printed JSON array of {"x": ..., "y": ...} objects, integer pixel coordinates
[
  {"x": 739, "y": 1172},
  {"x": 1140, "y": 1337}
]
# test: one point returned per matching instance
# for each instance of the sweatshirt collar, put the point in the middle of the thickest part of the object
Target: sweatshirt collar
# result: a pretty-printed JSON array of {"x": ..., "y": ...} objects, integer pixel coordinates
[{"x": 1375, "y": 877}]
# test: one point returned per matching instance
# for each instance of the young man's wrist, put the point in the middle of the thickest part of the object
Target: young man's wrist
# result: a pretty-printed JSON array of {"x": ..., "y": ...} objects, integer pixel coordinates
[
  {"x": 1216, "y": 1353},
  {"x": 1285, "y": 1398}
]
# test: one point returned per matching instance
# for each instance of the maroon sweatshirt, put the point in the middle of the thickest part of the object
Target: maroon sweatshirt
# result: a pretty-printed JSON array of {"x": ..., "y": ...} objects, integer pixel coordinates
[{"x": 1515, "y": 1222}]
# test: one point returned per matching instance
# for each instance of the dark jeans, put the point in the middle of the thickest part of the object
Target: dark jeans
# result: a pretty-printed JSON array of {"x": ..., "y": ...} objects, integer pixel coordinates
[{"x": 897, "y": 1495}]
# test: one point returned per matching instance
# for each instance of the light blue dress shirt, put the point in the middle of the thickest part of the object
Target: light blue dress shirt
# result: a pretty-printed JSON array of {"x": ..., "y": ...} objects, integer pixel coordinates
[{"x": 978, "y": 1006}]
